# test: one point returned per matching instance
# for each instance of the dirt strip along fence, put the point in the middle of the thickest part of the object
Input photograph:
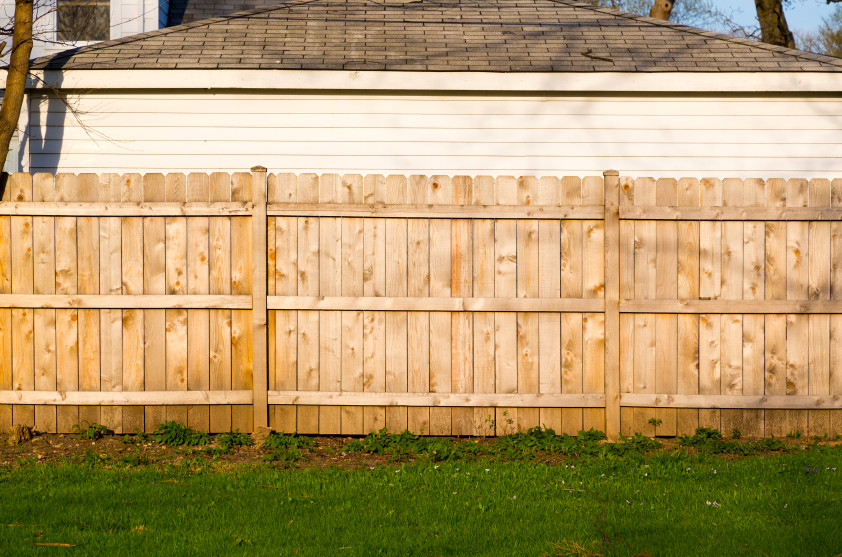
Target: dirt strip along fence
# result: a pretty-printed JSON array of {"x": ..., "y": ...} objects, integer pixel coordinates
[{"x": 447, "y": 306}]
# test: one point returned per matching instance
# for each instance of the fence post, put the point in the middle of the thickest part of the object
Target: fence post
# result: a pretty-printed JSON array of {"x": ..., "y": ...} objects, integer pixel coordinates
[
  {"x": 612, "y": 303},
  {"x": 260, "y": 377}
]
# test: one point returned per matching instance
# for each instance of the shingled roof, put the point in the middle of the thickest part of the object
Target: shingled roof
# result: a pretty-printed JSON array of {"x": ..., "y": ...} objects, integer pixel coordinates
[{"x": 435, "y": 35}]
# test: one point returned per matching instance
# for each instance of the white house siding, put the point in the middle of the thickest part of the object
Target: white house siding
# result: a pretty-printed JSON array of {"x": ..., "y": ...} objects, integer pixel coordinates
[{"x": 638, "y": 135}]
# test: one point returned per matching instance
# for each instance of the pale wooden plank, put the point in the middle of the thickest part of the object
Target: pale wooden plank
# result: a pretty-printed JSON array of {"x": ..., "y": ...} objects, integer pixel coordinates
[
  {"x": 87, "y": 233},
  {"x": 67, "y": 334},
  {"x": 572, "y": 361},
  {"x": 154, "y": 282},
  {"x": 509, "y": 211},
  {"x": 330, "y": 322},
  {"x": 710, "y": 287},
  {"x": 446, "y": 400},
  {"x": 797, "y": 288},
  {"x": 308, "y": 284},
  {"x": 396, "y": 285},
  {"x": 572, "y": 273},
  {"x": 22, "y": 267},
  {"x": 353, "y": 259},
  {"x": 111, "y": 333},
  {"x": 133, "y": 398},
  {"x": 549, "y": 324},
  {"x": 462, "y": 349},
  {"x": 819, "y": 248},
  {"x": 835, "y": 385},
  {"x": 133, "y": 209},
  {"x": 788, "y": 403},
  {"x": 44, "y": 320},
  {"x": 399, "y": 303},
  {"x": 666, "y": 325},
  {"x": 440, "y": 193},
  {"x": 242, "y": 361},
  {"x": 271, "y": 333},
  {"x": 197, "y": 301},
  {"x": 286, "y": 283},
  {"x": 611, "y": 322},
  {"x": 176, "y": 283},
  {"x": 505, "y": 324},
  {"x": 418, "y": 322},
  {"x": 483, "y": 286},
  {"x": 593, "y": 277},
  {"x": 219, "y": 282},
  {"x": 626, "y": 260},
  {"x": 731, "y": 288},
  {"x": 689, "y": 194},
  {"x": 593, "y": 364},
  {"x": 374, "y": 284},
  {"x": 131, "y": 191},
  {"x": 198, "y": 282},
  {"x": 242, "y": 416},
  {"x": 753, "y": 421},
  {"x": 645, "y": 287},
  {"x": 374, "y": 367},
  {"x": 6, "y": 314}
]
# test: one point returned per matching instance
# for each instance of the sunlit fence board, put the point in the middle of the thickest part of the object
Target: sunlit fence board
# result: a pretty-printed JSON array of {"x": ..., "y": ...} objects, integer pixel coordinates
[{"x": 443, "y": 305}]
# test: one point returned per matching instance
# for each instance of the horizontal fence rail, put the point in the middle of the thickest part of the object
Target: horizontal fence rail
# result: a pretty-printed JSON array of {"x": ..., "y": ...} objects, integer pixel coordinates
[{"x": 444, "y": 305}]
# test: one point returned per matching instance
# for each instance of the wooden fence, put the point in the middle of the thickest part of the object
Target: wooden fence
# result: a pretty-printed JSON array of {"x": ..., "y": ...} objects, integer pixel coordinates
[{"x": 342, "y": 305}]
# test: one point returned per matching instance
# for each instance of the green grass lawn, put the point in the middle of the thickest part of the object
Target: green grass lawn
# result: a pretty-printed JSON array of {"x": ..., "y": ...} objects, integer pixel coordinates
[{"x": 662, "y": 503}]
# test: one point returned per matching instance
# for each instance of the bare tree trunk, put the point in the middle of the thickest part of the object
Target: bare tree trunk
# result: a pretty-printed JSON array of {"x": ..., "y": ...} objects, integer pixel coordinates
[
  {"x": 16, "y": 75},
  {"x": 662, "y": 9},
  {"x": 773, "y": 26}
]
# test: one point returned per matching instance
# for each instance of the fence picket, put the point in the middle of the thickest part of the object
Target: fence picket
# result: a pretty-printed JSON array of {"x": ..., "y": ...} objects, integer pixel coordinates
[{"x": 350, "y": 292}]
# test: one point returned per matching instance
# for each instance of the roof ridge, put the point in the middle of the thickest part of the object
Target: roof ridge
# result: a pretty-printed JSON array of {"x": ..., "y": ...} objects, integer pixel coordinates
[{"x": 795, "y": 53}]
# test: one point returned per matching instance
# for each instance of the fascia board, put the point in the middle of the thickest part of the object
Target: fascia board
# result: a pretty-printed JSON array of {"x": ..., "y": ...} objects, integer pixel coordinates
[{"x": 670, "y": 82}]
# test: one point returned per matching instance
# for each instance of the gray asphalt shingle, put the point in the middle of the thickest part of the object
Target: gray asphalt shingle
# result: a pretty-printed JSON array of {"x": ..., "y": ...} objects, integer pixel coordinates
[{"x": 433, "y": 35}]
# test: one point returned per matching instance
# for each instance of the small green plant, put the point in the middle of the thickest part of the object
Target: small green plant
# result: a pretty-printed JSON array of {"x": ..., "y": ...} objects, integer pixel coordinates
[
  {"x": 401, "y": 446},
  {"x": 173, "y": 433},
  {"x": 137, "y": 438},
  {"x": 794, "y": 434},
  {"x": 93, "y": 458},
  {"x": 736, "y": 433},
  {"x": 655, "y": 422},
  {"x": 277, "y": 440},
  {"x": 486, "y": 427},
  {"x": 227, "y": 441},
  {"x": 508, "y": 423},
  {"x": 91, "y": 432}
]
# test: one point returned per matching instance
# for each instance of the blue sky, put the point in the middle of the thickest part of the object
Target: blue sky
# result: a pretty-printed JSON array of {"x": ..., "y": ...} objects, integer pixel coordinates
[{"x": 802, "y": 15}]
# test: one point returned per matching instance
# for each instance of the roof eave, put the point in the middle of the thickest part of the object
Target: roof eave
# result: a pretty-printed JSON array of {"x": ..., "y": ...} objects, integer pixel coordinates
[{"x": 673, "y": 82}]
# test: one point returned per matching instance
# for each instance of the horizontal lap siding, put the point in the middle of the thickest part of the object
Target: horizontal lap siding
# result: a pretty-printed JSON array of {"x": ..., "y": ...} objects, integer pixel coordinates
[{"x": 738, "y": 137}]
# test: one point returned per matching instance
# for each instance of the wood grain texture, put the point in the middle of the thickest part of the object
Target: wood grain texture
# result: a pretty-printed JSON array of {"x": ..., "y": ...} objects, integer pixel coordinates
[
  {"x": 440, "y": 192},
  {"x": 351, "y": 191},
  {"x": 374, "y": 322},
  {"x": 44, "y": 320},
  {"x": 505, "y": 324},
  {"x": 219, "y": 282},
  {"x": 154, "y": 282}
]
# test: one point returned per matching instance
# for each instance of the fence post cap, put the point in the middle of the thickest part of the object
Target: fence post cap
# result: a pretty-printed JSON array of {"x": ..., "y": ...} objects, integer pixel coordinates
[
  {"x": 258, "y": 168},
  {"x": 611, "y": 173}
]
